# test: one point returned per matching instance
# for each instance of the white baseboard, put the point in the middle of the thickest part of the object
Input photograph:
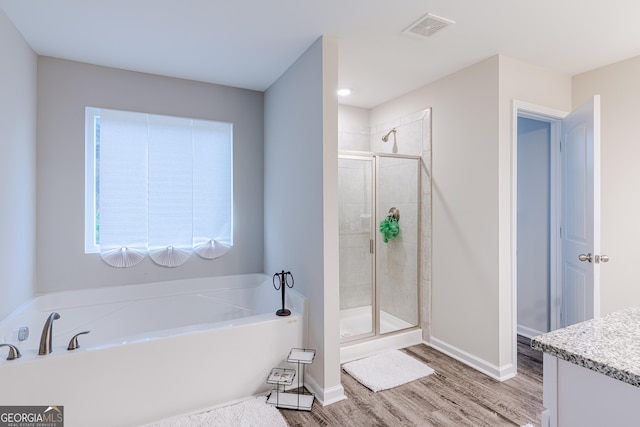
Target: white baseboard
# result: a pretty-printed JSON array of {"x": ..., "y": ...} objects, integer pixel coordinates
[
  {"x": 500, "y": 373},
  {"x": 324, "y": 396},
  {"x": 349, "y": 352},
  {"x": 528, "y": 332}
]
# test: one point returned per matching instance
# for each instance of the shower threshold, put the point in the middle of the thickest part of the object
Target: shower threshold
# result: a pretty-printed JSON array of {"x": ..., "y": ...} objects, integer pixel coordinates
[{"x": 357, "y": 321}]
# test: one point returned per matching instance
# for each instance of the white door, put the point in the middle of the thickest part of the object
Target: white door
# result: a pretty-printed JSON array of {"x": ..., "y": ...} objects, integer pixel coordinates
[{"x": 581, "y": 214}]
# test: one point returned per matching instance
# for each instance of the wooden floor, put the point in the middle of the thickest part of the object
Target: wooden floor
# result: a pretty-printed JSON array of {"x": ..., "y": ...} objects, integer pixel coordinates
[{"x": 455, "y": 395}]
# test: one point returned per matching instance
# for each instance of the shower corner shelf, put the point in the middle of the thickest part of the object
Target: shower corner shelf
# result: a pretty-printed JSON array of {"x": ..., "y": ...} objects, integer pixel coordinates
[{"x": 298, "y": 399}]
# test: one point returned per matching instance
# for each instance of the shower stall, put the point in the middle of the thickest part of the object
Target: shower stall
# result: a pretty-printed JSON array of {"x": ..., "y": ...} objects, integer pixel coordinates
[{"x": 379, "y": 280}]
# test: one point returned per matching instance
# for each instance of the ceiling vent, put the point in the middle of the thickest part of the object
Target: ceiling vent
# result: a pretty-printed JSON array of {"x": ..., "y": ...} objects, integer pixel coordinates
[{"x": 427, "y": 26}]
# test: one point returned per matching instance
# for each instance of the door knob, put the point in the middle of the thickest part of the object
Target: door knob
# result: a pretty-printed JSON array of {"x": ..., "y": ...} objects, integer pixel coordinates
[
  {"x": 583, "y": 257},
  {"x": 595, "y": 258}
]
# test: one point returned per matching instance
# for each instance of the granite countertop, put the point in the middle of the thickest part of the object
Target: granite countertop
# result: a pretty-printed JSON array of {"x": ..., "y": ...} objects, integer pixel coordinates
[{"x": 609, "y": 345}]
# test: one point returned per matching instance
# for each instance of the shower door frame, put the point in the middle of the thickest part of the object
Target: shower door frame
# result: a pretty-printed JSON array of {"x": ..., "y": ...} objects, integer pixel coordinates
[{"x": 375, "y": 308}]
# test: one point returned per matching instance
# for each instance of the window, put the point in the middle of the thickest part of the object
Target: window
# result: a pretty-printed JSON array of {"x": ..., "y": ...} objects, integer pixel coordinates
[{"x": 158, "y": 186}]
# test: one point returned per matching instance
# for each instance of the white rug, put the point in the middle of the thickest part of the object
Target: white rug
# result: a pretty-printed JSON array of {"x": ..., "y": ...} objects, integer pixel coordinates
[
  {"x": 250, "y": 413},
  {"x": 387, "y": 370}
]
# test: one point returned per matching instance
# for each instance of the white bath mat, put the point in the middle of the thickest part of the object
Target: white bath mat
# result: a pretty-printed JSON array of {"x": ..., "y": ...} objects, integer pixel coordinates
[
  {"x": 387, "y": 370},
  {"x": 250, "y": 413}
]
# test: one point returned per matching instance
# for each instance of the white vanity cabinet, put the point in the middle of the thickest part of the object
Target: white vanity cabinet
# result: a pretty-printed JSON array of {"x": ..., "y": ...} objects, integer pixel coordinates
[{"x": 592, "y": 372}]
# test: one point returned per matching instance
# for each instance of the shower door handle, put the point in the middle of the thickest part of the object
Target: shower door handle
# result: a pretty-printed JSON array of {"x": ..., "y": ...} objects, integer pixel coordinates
[{"x": 371, "y": 246}]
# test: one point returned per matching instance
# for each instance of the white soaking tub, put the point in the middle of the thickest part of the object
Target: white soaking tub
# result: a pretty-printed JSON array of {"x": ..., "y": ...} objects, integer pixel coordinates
[{"x": 154, "y": 351}]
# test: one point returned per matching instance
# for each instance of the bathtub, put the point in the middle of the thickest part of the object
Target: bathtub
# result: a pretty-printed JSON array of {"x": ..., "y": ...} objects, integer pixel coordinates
[{"x": 155, "y": 350}]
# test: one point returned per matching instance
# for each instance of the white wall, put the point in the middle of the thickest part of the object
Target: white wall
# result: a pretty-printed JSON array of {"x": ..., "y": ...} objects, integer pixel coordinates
[
  {"x": 472, "y": 299},
  {"x": 354, "y": 128},
  {"x": 17, "y": 167},
  {"x": 464, "y": 316},
  {"x": 534, "y": 174},
  {"x": 301, "y": 199},
  {"x": 619, "y": 87},
  {"x": 65, "y": 88},
  {"x": 536, "y": 85}
]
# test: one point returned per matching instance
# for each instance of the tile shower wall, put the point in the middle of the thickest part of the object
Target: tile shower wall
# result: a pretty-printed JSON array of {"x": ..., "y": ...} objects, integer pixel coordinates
[{"x": 413, "y": 137}]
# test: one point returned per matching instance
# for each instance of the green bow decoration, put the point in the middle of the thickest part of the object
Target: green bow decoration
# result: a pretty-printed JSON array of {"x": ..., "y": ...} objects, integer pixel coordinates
[{"x": 389, "y": 228}]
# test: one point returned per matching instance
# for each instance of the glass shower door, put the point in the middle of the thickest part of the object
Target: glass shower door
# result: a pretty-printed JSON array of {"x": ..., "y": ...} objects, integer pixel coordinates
[
  {"x": 397, "y": 260},
  {"x": 357, "y": 290}
]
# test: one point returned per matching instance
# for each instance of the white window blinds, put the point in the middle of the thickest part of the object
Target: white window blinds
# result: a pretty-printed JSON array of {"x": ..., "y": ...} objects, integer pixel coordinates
[{"x": 165, "y": 188}]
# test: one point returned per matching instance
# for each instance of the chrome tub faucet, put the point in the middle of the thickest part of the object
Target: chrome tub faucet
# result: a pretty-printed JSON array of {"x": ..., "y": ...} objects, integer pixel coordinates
[
  {"x": 47, "y": 331},
  {"x": 14, "y": 353},
  {"x": 73, "y": 344}
]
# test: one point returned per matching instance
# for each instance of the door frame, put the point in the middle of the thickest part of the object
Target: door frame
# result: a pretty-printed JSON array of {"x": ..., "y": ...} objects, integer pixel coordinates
[{"x": 554, "y": 118}]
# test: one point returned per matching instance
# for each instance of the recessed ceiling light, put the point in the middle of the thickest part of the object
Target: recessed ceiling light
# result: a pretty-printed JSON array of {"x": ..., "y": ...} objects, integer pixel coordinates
[{"x": 344, "y": 92}]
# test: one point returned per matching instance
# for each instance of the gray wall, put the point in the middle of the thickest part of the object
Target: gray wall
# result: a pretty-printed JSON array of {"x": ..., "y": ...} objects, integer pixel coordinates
[
  {"x": 17, "y": 167},
  {"x": 533, "y": 226},
  {"x": 301, "y": 199},
  {"x": 65, "y": 88}
]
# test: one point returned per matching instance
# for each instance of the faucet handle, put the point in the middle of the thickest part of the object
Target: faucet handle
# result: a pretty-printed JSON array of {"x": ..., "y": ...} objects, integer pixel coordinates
[
  {"x": 14, "y": 353},
  {"x": 73, "y": 343}
]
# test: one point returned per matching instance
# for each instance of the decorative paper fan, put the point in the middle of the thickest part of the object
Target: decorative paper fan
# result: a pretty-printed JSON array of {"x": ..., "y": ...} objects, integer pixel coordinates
[
  {"x": 212, "y": 249},
  {"x": 122, "y": 257},
  {"x": 169, "y": 256}
]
